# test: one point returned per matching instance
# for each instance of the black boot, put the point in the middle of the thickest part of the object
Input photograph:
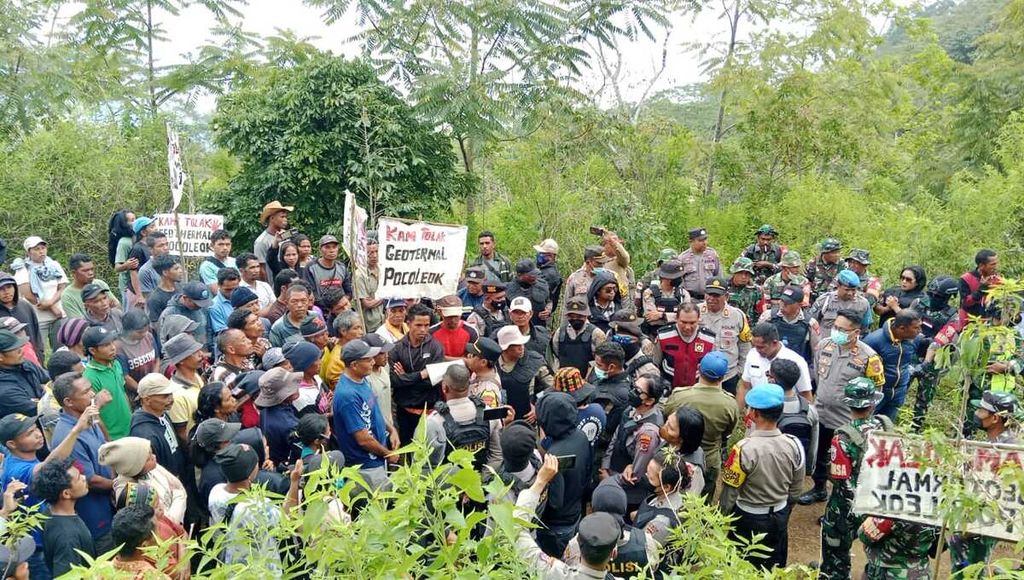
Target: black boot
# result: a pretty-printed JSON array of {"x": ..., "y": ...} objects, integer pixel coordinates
[{"x": 815, "y": 495}]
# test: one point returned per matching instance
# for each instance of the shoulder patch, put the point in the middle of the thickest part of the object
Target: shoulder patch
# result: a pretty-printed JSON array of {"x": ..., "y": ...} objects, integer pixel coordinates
[
  {"x": 840, "y": 464},
  {"x": 732, "y": 472},
  {"x": 875, "y": 371}
]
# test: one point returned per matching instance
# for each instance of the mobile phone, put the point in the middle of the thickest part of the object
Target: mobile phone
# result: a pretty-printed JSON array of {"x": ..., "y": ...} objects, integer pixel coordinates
[
  {"x": 19, "y": 495},
  {"x": 597, "y": 230},
  {"x": 496, "y": 413},
  {"x": 566, "y": 462}
]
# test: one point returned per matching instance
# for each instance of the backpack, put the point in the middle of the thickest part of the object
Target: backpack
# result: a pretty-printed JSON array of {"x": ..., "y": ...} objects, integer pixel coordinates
[
  {"x": 472, "y": 436},
  {"x": 799, "y": 426}
]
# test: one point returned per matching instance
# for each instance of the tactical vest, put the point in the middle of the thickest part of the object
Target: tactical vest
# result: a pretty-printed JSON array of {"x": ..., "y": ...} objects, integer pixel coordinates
[
  {"x": 471, "y": 436},
  {"x": 664, "y": 303},
  {"x": 491, "y": 324},
  {"x": 631, "y": 560},
  {"x": 516, "y": 383},
  {"x": 799, "y": 426},
  {"x": 794, "y": 335},
  {"x": 646, "y": 513},
  {"x": 621, "y": 456},
  {"x": 576, "y": 352},
  {"x": 933, "y": 320}
]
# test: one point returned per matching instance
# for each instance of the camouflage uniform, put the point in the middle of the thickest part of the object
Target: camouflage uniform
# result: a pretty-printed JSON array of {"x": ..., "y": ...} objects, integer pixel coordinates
[
  {"x": 822, "y": 276},
  {"x": 839, "y": 525},
  {"x": 746, "y": 298},
  {"x": 773, "y": 285},
  {"x": 870, "y": 286},
  {"x": 756, "y": 253},
  {"x": 896, "y": 550}
]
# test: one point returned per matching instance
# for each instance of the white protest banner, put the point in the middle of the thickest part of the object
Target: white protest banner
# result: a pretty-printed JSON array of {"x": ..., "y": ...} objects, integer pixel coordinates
[
  {"x": 354, "y": 234},
  {"x": 419, "y": 260},
  {"x": 176, "y": 171},
  {"x": 893, "y": 484},
  {"x": 195, "y": 232}
]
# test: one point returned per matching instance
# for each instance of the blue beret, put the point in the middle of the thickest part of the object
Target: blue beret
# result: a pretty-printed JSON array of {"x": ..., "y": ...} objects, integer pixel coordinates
[{"x": 765, "y": 397}]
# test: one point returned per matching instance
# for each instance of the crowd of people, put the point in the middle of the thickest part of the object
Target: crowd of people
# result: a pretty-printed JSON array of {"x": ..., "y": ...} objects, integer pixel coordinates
[{"x": 141, "y": 412}]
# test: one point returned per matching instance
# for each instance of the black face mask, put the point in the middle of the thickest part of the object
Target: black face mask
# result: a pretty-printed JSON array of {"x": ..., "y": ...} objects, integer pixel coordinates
[
  {"x": 498, "y": 304},
  {"x": 635, "y": 399},
  {"x": 577, "y": 324}
]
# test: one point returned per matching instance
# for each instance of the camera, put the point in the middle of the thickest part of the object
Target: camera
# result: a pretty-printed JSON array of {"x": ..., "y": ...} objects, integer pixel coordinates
[{"x": 289, "y": 234}]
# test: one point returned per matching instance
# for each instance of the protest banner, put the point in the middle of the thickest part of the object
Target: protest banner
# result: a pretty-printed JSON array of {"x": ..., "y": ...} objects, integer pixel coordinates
[
  {"x": 175, "y": 169},
  {"x": 419, "y": 260},
  {"x": 893, "y": 483},
  {"x": 195, "y": 230},
  {"x": 354, "y": 232}
]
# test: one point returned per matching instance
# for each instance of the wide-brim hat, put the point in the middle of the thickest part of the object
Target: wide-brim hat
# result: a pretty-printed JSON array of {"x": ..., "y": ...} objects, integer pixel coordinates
[{"x": 272, "y": 208}]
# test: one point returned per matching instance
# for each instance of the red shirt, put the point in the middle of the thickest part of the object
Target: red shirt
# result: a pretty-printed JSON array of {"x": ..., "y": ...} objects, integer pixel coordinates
[{"x": 454, "y": 341}]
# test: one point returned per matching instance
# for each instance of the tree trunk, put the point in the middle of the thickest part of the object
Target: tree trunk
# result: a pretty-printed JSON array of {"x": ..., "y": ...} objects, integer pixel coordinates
[
  {"x": 734, "y": 22},
  {"x": 150, "y": 71},
  {"x": 466, "y": 152}
]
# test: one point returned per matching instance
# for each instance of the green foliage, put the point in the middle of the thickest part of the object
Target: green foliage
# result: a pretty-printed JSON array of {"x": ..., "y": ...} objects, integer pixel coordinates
[{"x": 305, "y": 134}]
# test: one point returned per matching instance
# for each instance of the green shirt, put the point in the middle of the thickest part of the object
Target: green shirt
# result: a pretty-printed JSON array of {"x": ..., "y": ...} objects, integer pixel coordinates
[
  {"x": 71, "y": 300},
  {"x": 720, "y": 416},
  {"x": 117, "y": 414}
]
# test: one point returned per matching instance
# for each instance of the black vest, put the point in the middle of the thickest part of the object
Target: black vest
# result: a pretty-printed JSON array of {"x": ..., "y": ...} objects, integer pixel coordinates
[
  {"x": 613, "y": 395},
  {"x": 540, "y": 336},
  {"x": 646, "y": 513},
  {"x": 794, "y": 335},
  {"x": 631, "y": 560},
  {"x": 622, "y": 456},
  {"x": 517, "y": 384},
  {"x": 491, "y": 324},
  {"x": 664, "y": 303},
  {"x": 576, "y": 352},
  {"x": 471, "y": 437}
]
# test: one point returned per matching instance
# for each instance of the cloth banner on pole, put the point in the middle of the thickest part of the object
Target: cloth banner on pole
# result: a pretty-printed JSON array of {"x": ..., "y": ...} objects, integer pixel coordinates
[
  {"x": 175, "y": 169},
  {"x": 897, "y": 481},
  {"x": 195, "y": 232},
  {"x": 354, "y": 232},
  {"x": 419, "y": 260}
]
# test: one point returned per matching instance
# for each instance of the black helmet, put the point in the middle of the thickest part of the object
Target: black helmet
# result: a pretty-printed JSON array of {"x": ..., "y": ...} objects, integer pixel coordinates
[{"x": 943, "y": 286}]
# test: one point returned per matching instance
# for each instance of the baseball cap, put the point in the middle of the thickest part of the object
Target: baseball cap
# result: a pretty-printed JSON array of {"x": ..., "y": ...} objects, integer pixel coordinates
[
  {"x": 10, "y": 341},
  {"x": 14, "y": 553},
  {"x": 520, "y": 303},
  {"x": 135, "y": 319},
  {"x": 849, "y": 278},
  {"x": 141, "y": 223},
  {"x": 248, "y": 383},
  {"x": 14, "y": 425},
  {"x": 92, "y": 290},
  {"x": 484, "y": 348},
  {"x": 449, "y": 305},
  {"x": 97, "y": 336},
  {"x": 494, "y": 287},
  {"x": 242, "y": 296},
  {"x": 395, "y": 303},
  {"x": 302, "y": 354},
  {"x": 198, "y": 293},
  {"x": 625, "y": 320},
  {"x": 213, "y": 431},
  {"x": 577, "y": 305},
  {"x": 592, "y": 252},
  {"x": 312, "y": 326},
  {"x": 475, "y": 274},
  {"x": 714, "y": 365},
  {"x": 698, "y": 234},
  {"x": 527, "y": 266},
  {"x": 156, "y": 384},
  {"x": 717, "y": 286},
  {"x": 357, "y": 349},
  {"x": 11, "y": 323},
  {"x": 509, "y": 336},
  {"x": 327, "y": 239},
  {"x": 375, "y": 341},
  {"x": 548, "y": 246},
  {"x": 767, "y": 396},
  {"x": 599, "y": 530},
  {"x": 32, "y": 241},
  {"x": 792, "y": 294}
]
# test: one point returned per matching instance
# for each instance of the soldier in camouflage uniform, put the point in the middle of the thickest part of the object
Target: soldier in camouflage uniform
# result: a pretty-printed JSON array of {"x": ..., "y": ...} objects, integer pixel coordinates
[
  {"x": 743, "y": 293},
  {"x": 764, "y": 254},
  {"x": 871, "y": 286},
  {"x": 997, "y": 414},
  {"x": 896, "y": 550},
  {"x": 936, "y": 317},
  {"x": 839, "y": 525},
  {"x": 822, "y": 271},
  {"x": 789, "y": 274}
]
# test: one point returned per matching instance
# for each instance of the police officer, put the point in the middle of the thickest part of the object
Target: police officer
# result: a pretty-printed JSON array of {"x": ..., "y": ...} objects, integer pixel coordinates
[
  {"x": 493, "y": 313},
  {"x": 645, "y": 281},
  {"x": 839, "y": 526},
  {"x": 472, "y": 294},
  {"x": 680, "y": 346},
  {"x": 636, "y": 439},
  {"x": 458, "y": 423},
  {"x": 597, "y": 536},
  {"x": 578, "y": 283},
  {"x": 997, "y": 414},
  {"x": 762, "y": 475},
  {"x": 531, "y": 284},
  {"x": 822, "y": 271},
  {"x": 699, "y": 262},
  {"x": 731, "y": 329},
  {"x": 841, "y": 358},
  {"x": 574, "y": 343},
  {"x": 844, "y": 297},
  {"x": 743, "y": 292},
  {"x": 896, "y": 549},
  {"x": 661, "y": 299},
  {"x": 870, "y": 286},
  {"x": 764, "y": 254},
  {"x": 636, "y": 551},
  {"x": 797, "y": 329},
  {"x": 936, "y": 325},
  {"x": 789, "y": 275}
]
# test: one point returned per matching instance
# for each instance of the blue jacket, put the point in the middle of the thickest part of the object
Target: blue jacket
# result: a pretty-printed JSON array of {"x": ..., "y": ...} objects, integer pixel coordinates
[{"x": 896, "y": 355}]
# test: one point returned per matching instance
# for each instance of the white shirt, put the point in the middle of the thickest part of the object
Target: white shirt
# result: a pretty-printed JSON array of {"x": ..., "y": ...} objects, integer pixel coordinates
[
  {"x": 264, "y": 291},
  {"x": 756, "y": 367}
]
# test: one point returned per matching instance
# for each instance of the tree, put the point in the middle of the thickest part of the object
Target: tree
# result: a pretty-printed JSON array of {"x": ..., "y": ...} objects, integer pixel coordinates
[{"x": 305, "y": 134}]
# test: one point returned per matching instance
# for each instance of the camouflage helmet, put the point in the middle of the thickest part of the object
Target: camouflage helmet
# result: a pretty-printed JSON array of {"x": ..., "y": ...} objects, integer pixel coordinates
[
  {"x": 791, "y": 258},
  {"x": 666, "y": 255},
  {"x": 861, "y": 256},
  {"x": 861, "y": 393},
  {"x": 830, "y": 245},
  {"x": 742, "y": 264},
  {"x": 999, "y": 403},
  {"x": 766, "y": 229}
]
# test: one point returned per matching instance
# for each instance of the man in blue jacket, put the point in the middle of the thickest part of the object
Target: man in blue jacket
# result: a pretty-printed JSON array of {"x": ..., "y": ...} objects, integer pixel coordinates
[{"x": 896, "y": 343}]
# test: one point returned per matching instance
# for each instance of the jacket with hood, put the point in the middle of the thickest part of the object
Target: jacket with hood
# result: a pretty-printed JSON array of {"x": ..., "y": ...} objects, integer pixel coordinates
[
  {"x": 24, "y": 313},
  {"x": 613, "y": 395},
  {"x": 557, "y": 415},
  {"x": 201, "y": 317},
  {"x": 21, "y": 387},
  {"x": 148, "y": 426},
  {"x": 602, "y": 318}
]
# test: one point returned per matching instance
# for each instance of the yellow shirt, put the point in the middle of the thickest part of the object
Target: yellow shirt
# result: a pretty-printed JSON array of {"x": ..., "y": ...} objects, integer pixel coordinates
[{"x": 331, "y": 365}]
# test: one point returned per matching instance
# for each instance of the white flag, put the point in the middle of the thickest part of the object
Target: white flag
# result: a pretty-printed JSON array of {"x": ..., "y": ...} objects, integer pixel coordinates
[
  {"x": 175, "y": 170},
  {"x": 354, "y": 234}
]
